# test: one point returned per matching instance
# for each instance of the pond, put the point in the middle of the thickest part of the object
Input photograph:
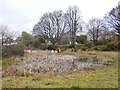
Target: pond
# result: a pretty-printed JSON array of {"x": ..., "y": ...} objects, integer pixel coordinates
[{"x": 56, "y": 63}]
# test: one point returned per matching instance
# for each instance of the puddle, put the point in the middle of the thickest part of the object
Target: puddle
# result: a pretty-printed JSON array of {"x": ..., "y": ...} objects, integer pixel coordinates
[{"x": 87, "y": 62}]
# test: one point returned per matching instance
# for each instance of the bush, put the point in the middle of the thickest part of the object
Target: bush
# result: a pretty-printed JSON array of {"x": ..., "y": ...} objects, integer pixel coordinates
[
  {"x": 14, "y": 50},
  {"x": 89, "y": 44},
  {"x": 74, "y": 50},
  {"x": 102, "y": 42},
  {"x": 36, "y": 44},
  {"x": 109, "y": 46},
  {"x": 43, "y": 46},
  {"x": 100, "y": 48},
  {"x": 71, "y": 46},
  {"x": 81, "y": 47},
  {"x": 52, "y": 47},
  {"x": 62, "y": 47},
  {"x": 113, "y": 46}
]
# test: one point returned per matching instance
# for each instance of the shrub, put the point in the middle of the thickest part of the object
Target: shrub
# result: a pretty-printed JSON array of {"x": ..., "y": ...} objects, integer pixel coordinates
[
  {"x": 43, "y": 46},
  {"x": 89, "y": 44},
  {"x": 104, "y": 42},
  {"x": 36, "y": 44},
  {"x": 64, "y": 46},
  {"x": 74, "y": 50},
  {"x": 71, "y": 46},
  {"x": 81, "y": 47},
  {"x": 100, "y": 48},
  {"x": 52, "y": 47},
  {"x": 14, "y": 50},
  {"x": 113, "y": 46}
]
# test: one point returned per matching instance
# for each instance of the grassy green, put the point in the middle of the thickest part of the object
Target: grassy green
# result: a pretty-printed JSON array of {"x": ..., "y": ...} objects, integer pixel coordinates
[{"x": 97, "y": 77}]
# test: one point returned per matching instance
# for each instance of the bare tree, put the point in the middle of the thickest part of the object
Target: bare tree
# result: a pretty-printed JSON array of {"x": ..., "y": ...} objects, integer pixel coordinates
[
  {"x": 5, "y": 35},
  {"x": 51, "y": 26},
  {"x": 3, "y": 32},
  {"x": 96, "y": 28},
  {"x": 74, "y": 22},
  {"x": 113, "y": 19}
]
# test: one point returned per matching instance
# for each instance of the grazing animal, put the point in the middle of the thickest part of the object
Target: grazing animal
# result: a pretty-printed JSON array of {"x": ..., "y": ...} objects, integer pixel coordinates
[
  {"x": 52, "y": 51},
  {"x": 56, "y": 51}
]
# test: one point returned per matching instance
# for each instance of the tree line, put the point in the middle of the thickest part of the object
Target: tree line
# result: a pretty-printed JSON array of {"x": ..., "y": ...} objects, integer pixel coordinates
[
  {"x": 62, "y": 28},
  {"x": 54, "y": 26}
]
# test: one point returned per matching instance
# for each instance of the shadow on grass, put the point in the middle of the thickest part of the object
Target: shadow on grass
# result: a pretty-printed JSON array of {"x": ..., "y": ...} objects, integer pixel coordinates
[
  {"x": 75, "y": 87},
  {"x": 52, "y": 83}
]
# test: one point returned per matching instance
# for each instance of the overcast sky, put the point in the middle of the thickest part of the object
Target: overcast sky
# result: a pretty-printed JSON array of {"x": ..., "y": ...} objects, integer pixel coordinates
[{"x": 21, "y": 15}]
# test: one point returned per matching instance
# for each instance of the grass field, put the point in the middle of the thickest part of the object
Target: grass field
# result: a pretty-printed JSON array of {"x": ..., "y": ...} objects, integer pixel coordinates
[{"x": 97, "y": 77}]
